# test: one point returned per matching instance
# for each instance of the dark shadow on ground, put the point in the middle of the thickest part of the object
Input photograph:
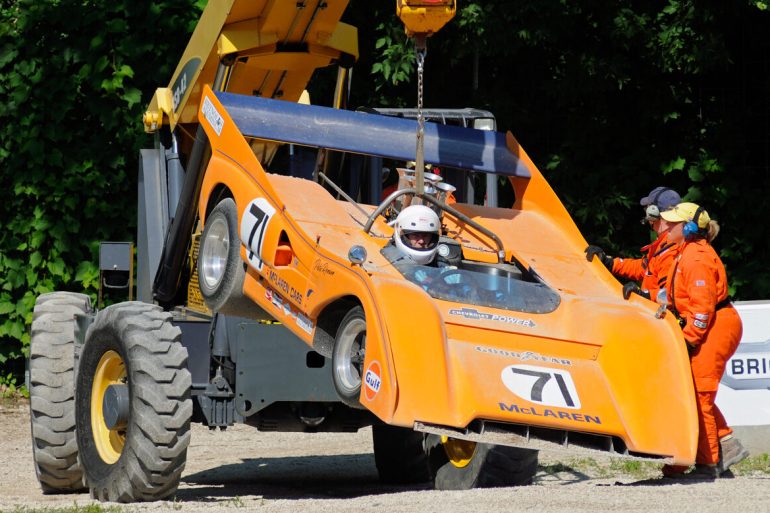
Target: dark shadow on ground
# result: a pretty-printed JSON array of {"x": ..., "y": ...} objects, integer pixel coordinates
[
  {"x": 667, "y": 481},
  {"x": 561, "y": 473},
  {"x": 302, "y": 477}
]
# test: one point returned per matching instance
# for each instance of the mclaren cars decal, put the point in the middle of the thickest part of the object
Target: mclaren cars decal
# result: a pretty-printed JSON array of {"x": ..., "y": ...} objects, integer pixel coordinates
[
  {"x": 472, "y": 313},
  {"x": 282, "y": 285},
  {"x": 541, "y": 385},
  {"x": 253, "y": 227}
]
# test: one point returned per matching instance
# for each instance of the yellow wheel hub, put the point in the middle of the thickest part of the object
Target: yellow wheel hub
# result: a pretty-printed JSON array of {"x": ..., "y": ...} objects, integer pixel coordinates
[
  {"x": 109, "y": 442},
  {"x": 459, "y": 452}
]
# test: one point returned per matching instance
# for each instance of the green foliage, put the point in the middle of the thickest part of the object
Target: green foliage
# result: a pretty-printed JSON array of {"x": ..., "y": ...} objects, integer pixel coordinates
[
  {"x": 74, "y": 77},
  {"x": 397, "y": 57}
]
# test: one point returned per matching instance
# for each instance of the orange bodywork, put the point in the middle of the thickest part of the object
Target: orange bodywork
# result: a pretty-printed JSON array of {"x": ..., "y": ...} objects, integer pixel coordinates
[{"x": 620, "y": 371}]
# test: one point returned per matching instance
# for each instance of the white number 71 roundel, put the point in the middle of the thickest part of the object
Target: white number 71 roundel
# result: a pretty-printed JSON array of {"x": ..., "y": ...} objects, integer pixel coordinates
[
  {"x": 542, "y": 385},
  {"x": 253, "y": 227}
]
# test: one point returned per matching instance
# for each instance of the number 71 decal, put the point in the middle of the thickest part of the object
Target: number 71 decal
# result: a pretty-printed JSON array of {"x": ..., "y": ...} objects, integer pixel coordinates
[
  {"x": 542, "y": 385},
  {"x": 253, "y": 226}
]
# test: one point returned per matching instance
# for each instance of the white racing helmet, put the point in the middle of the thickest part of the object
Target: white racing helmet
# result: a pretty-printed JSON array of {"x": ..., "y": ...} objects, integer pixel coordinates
[{"x": 417, "y": 219}]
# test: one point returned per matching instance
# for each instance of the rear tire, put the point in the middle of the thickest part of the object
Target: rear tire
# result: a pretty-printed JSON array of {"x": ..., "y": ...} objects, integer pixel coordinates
[
  {"x": 400, "y": 455},
  {"x": 134, "y": 344},
  {"x": 465, "y": 465},
  {"x": 52, "y": 391},
  {"x": 348, "y": 357}
]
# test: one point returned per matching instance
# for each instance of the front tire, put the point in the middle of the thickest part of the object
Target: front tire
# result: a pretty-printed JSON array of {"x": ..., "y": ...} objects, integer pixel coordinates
[
  {"x": 52, "y": 391},
  {"x": 463, "y": 465},
  {"x": 220, "y": 269},
  {"x": 348, "y": 357},
  {"x": 137, "y": 452}
]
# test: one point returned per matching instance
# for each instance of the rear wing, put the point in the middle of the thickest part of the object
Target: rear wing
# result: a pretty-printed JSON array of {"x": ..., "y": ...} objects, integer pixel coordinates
[{"x": 371, "y": 134}]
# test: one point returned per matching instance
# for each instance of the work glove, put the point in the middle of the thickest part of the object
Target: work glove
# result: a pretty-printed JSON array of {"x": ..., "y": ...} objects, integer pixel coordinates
[
  {"x": 692, "y": 348},
  {"x": 600, "y": 254},
  {"x": 631, "y": 287}
]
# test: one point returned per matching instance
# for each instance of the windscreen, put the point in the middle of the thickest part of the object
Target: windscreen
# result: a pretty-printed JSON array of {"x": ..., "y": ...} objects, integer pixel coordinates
[{"x": 487, "y": 288}]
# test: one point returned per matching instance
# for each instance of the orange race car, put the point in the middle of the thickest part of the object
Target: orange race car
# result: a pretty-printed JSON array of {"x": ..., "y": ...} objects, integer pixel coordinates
[{"x": 521, "y": 340}]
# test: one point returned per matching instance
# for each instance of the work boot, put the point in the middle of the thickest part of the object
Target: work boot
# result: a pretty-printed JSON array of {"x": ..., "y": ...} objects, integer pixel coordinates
[
  {"x": 701, "y": 472},
  {"x": 731, "y": 452},
  {"x": 674, "y": 471}
]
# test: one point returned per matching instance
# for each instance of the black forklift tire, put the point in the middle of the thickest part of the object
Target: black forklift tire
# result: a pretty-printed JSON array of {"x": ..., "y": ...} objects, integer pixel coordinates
[
  {"x": 133, "y": 345},
  {"x": 52, "y": 391},
  {"x": 481, "y": 465},
  {"x": 401, "y": 455},
  {"x": 225, "y": 294},
  {"x": 348, "y": 357}
]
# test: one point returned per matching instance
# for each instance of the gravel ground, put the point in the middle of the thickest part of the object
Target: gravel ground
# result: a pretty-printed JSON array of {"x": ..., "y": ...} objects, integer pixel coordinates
[{"x": 290, "y": 472}]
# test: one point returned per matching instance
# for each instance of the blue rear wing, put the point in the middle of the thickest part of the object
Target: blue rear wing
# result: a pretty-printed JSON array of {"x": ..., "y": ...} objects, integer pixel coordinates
[{"x": 371, "y": 134}]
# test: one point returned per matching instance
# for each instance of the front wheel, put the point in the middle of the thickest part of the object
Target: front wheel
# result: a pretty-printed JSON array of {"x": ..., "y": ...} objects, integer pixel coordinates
[
  {"x": 462, "y": 465},
  {"x": 220, "y": 268},
  {"x": 133, "y": 404},
  {"x": 348, "y": 357}
]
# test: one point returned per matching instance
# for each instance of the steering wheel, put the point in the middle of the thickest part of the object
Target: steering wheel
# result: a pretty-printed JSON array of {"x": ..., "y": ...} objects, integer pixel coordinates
[{"x": 466, "y": 287}]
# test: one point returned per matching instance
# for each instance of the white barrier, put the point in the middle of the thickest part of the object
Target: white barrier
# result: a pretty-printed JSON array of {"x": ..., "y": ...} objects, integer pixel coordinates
[{"x": 744, "y": 393}]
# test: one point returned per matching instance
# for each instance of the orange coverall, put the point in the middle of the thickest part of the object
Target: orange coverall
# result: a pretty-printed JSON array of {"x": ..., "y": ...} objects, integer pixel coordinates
[
  {"x": 698, "y": 292},
  {"x": 652, "y": 269}
]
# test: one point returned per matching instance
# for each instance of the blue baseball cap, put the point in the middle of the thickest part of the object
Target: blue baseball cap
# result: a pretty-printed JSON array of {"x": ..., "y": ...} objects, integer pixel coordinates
[{"x": 662, "y": 197}]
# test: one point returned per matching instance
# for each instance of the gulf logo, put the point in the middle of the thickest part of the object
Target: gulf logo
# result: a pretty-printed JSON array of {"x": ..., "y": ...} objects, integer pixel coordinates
[{"x": 372, "y": 380}]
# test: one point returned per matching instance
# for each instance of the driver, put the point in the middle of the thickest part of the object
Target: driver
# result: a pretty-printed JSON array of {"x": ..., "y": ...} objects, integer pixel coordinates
[{"x": 415, "y": 239}]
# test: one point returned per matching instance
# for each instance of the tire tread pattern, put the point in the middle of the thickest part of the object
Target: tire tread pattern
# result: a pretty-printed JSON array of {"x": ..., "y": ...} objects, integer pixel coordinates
[
  {"x": 52, "y": 391},
  {"x": 491, "y": 466},
  {"x": 155, "y": 452}
]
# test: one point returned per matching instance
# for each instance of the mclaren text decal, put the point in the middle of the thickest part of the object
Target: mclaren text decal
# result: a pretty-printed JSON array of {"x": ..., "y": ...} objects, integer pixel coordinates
[
  {"x": 372, "y": 380},
  {"x": 537, "y": 411},
  {"x": 523, "y": 356},
  {"x": 253, "y": 226},
  {"x": 472, "y": 313},
  {"x": 542, "y": 385},
  {"x": 212, "y": 116},
  {"x": 284, "y": 286}
]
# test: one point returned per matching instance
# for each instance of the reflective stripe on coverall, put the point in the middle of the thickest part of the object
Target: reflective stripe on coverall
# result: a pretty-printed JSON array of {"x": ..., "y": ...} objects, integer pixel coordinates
[
  {"x": 698, "y": 283},
  {"x": 652, "y": 269}
]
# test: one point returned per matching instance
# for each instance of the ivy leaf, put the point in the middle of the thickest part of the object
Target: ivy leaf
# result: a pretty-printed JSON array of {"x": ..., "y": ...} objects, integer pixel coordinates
[
  {"x": 6, "y": 307},
  {"x": 132, "y": 96},
  {"x": 56, "y": 267}
]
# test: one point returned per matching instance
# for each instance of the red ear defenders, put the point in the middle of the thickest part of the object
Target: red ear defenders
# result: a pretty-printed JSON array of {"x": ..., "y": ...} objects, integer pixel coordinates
[{"x": 691, "y": 229}]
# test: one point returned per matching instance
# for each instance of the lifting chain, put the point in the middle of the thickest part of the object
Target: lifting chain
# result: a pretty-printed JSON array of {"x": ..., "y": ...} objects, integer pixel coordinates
[{"x": 419, "y": 165}]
